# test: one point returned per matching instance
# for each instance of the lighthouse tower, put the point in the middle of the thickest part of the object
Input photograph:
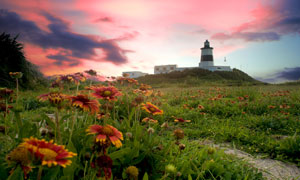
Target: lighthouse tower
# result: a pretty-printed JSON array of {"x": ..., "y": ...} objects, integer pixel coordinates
[{"x": 206, "y": 56}]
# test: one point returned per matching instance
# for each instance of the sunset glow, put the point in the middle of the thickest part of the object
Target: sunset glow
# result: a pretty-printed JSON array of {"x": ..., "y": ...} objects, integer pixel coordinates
[{"x": 111, "y": 36}]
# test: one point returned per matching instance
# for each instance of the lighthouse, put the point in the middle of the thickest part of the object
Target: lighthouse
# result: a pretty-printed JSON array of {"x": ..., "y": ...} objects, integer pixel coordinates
[{"x": 206, "y": 56}]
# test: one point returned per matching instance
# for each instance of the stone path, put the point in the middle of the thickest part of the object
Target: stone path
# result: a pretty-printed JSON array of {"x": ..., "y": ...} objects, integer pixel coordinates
[{"x": 271, "y": 169}]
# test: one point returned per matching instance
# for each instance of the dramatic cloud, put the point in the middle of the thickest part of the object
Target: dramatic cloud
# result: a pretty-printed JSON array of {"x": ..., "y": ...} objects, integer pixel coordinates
[
  {"x": 104, "y": 19},
  {"x": 271, "y": 21},
  {"x": 248, "y": 36},
  {"x": 289, "y": 74},
  {"x": 60, "y": 36}
]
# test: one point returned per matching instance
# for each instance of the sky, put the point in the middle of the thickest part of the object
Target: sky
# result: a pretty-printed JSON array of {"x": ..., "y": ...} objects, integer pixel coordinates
[{"x": 259, "y": 37}]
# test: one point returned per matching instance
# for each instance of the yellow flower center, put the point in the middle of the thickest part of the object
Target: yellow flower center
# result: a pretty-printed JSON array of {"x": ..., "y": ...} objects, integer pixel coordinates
[
  {"x": 107, "y": 131},
  {"x": 107, "y": 93},
  {"x": 48, "y": 154},
  {"x": 152, "y": 109}
]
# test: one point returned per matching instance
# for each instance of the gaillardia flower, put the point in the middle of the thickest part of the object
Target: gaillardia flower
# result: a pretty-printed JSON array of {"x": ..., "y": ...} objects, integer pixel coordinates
[
  {"x": 16, "y": 75},
  {"x": 107, "y": 93},
  {"x": 181, "y": 120},
  {"x": 106, "y": 134},
  {"x": 48, "y": 152},
  {"x": 147, "y": 119},
  {"x": 55, "y": 98},
  {"x": 152, "y": 109},
  {"x": 20, "y": 156},
  {"x": 84, "y": 103}
]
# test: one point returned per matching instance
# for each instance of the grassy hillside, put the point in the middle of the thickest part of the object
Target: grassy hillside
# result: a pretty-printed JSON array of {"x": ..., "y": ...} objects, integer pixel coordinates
[{"x": 196, "y": 77}]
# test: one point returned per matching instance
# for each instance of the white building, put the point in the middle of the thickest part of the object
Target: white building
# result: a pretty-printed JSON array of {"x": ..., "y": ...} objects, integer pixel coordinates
[
  {"x": 134, "y": 74},
  {"x": 206, "y": 62},
  {"x": 165, "y": 69}
]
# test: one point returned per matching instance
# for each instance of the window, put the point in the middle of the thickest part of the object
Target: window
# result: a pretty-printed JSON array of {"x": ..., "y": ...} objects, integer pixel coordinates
[
  {"x": 172, "y": 68},
  {"x": 164, "y": 68},
  {"x": 157, "y": 69}
]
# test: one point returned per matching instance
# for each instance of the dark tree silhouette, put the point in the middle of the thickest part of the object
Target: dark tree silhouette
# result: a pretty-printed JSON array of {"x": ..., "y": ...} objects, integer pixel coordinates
[{"x": 12, "y": 59}]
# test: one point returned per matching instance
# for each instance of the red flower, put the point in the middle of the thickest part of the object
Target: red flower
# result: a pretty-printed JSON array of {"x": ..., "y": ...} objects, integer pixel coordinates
[
  {"x": 48, "y": 152},
  {"x": 106, "y": 134},
  {"x": 84, "y": 103},
  {"x": 152, "y": 109},
  {"x": 107, "y": 93},
  {"x": 104, "y": 163},
  {"x": 181, "y": 120}
]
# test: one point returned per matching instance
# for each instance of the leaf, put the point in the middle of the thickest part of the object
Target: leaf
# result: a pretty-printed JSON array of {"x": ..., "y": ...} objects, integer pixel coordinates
[
  {"x": 190, "y": 177},
  {"x": 49, "y": 121},
  {"x": 145, "y": 176},
  {"x": 17, "y": 174},
  {"x": 52, "y": 173}
]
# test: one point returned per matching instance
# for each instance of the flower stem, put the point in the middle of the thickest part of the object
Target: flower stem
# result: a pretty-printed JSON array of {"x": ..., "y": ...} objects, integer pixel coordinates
[
  {"x": 57, "y": 126},
  {"x": 17, "y": 82},
  {"x": 39, "y": 176},
  {"x": 72, "y": 127}
]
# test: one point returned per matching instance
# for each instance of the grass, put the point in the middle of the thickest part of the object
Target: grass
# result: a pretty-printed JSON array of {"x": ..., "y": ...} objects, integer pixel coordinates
[{"x": 255, "y": 119}]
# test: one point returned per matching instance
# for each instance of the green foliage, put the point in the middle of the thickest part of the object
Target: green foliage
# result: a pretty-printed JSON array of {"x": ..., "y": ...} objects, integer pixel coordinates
[
  {"x": 12, "y": 59},
  {"x": 252, "y": 119},
  {"x": 199, "y": 77}
]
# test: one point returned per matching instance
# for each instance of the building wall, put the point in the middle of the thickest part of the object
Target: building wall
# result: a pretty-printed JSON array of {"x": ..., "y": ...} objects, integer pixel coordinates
[
  {"x": 164, "y": 69},
  {"x": 135, "y": 74}
]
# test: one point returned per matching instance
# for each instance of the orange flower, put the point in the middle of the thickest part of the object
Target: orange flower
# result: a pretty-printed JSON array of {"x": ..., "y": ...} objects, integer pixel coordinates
[
  {"x": 107, "y": 93},
  {"x": 200, "y": 107},
  {"x": 55, "y": 98},
  {"x": 84, "y": 103},
  {"x": 271, "y": 107},
  {"x": 5, "y": 93},
  {"x": 48, "y": 152},
  {"x": 147, "y": 119},
  {"x": 181, "y": 120},
  {"x": 106, "y": 134},
  {"x": 16, "y": 75},
  {"x": 152, "y": 109}
]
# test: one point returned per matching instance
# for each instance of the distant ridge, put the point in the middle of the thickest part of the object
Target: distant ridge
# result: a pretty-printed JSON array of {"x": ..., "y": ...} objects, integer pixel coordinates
[{"x": 198, "y": 76}]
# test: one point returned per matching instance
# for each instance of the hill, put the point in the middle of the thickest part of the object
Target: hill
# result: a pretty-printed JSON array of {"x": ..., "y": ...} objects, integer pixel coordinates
[
  {"x": 197, "y": 76},
  {"x": 12, "y": 59}
]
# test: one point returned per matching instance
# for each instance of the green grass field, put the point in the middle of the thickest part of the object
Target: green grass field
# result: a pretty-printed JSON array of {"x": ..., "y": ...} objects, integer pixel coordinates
[{"x": 257, "y": 119}]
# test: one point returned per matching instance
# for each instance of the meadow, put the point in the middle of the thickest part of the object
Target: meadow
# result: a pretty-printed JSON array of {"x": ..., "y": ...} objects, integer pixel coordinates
[{"x": 123, "y": 129}]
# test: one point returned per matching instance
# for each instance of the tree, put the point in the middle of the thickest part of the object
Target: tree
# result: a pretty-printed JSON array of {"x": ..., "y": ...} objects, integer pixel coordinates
[{"x": 12, "y": 59}]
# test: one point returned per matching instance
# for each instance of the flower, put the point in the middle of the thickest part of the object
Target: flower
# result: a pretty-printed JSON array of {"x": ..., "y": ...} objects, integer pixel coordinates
[
  {"x": 104, "y": 163},
  {"x": 16, "y": 75},
  {"x": 150, "y": 130},
  {"x": 84, "y": 103},
  {"x": 78, "y": 77},
  {"x": 170, "y": 168},
  {"x": 20, "y": 156},
  {"x": 147, "y": 119},
  {"x": 91, "y": 72},
  {"x": 200, "y": 107},
  {"x": 5, "y": 93},
  {"x": 107, "y": 93},
  {"x": 181, "y": 120},
  {"x": 65, "y": 78},
  {"x": 106, "y": 134},
  {"x": 48, "y": 152},
  {"x": 179, "y": 134},
  {"x": 132, "y": 172},
  {"x": 55, "y": 98},
  {"x": 181, "y": 146},
  {"x": 3, "y": 107},
  {"x": 152, "y": 109}
]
